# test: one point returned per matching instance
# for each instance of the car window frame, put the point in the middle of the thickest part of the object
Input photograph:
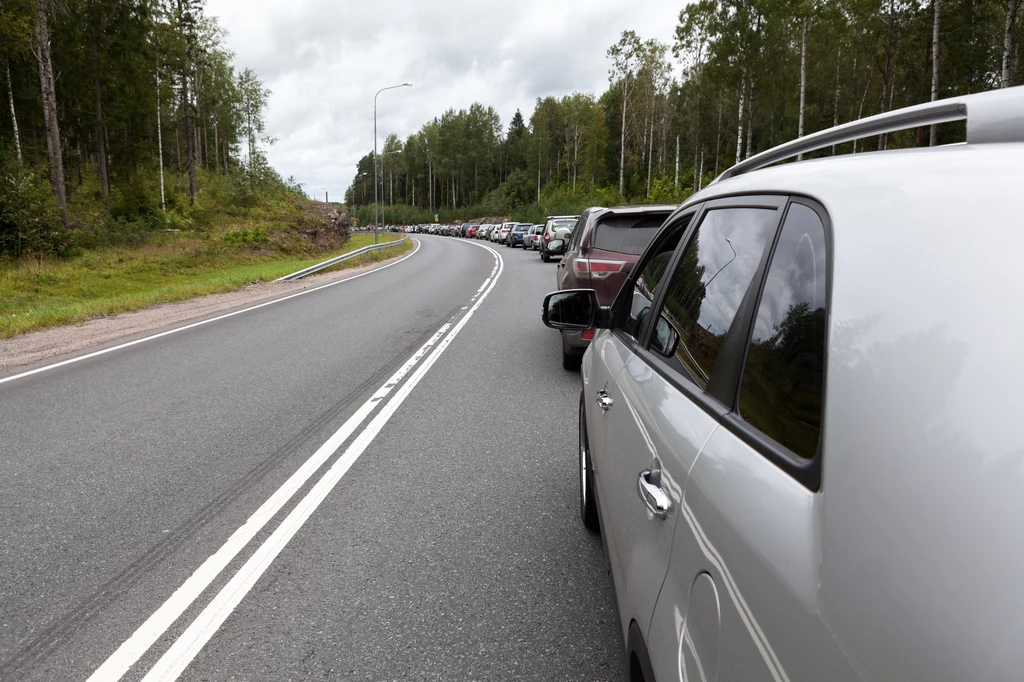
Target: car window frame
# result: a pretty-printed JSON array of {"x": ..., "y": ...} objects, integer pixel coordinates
[
  {"x": 805, "y": 470},
  {"x": 623, "y": 302},
  {"x": 727, "y": 373}
]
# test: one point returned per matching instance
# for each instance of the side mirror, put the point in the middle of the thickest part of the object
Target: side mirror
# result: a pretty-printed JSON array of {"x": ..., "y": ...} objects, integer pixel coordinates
[
  {"x": 556, "y": 246},
  {"x": 575, "y": 309},
  {"x": 665, "y": 339}
]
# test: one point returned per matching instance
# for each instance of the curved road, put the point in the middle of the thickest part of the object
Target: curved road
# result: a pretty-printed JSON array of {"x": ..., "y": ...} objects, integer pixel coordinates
[{"x": 373, "y": 480}]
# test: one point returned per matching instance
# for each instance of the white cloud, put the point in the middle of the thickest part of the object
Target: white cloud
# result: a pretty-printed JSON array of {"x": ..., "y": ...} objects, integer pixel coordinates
[{"x": 323, "y": 62}]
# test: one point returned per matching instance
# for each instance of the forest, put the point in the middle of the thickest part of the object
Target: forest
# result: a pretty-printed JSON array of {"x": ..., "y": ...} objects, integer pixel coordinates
[
  {"x": 740, "y": 77},
  {"x": 122, "y": 117}
]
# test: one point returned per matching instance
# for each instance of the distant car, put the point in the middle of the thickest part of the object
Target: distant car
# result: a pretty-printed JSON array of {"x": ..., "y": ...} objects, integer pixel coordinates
[
  {"x": 482, "y": 231},
  {"x": 517, "y": 234},
  {"x": 471, "y": 232},
  {"x": 501, "y": 232},
  {"x": 551, "y": 226},
  {"x": 532, "y": 237},
  {"x": 600, "y": 255}
]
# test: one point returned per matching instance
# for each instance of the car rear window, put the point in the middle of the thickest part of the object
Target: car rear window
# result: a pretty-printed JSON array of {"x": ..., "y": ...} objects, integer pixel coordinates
[
  {"x": 560, "y": 224},
  {"x": 626, "y": 234}
]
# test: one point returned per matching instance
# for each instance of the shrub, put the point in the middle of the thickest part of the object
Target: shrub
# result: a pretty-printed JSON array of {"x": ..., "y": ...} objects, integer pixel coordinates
[
  {"x": 256, "y": 237},
  {"x": 29, "y": 217}
]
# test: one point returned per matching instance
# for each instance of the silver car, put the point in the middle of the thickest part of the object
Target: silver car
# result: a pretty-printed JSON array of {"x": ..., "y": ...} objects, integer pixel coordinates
[{"x": 800, "y": 428}]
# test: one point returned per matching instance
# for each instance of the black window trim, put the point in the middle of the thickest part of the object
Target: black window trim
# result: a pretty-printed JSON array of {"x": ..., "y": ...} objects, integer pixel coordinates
[
  {"x": 724, "y": 407},
  {"x": 806, "y": 471}
]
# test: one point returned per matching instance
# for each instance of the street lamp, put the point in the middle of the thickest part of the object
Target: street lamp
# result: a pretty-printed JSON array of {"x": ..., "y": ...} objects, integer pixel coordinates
[{"x": 375, "y": 204}]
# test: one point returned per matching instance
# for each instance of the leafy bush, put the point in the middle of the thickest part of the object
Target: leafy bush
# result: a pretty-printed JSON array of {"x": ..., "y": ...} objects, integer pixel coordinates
[
  {"x": 255, "y": 237},
  {"x": 29, "y": 217}
]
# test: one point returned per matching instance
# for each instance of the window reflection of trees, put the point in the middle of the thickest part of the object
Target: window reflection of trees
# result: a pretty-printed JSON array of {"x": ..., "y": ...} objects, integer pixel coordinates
[
  {"x": 709, "y": 283},
  {"x": 781, "y": 392}
]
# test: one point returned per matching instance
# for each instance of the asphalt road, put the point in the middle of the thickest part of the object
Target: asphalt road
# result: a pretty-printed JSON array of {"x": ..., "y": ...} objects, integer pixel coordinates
[{"x": 439, "y": 540}]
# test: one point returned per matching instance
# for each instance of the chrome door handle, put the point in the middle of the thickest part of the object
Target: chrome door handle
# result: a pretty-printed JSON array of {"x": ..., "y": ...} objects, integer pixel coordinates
[
  {"x": 654, "y": 497},
  {"x": 604, "y": 401}
]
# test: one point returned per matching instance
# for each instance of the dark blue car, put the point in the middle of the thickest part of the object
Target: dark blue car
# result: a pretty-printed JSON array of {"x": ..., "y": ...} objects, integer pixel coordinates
[{"x": 517, "y": 233}]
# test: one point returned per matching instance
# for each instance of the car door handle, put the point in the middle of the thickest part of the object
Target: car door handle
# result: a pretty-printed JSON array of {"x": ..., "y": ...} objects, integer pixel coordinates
[
  {"x": 604, "y": 401},
  {"x": 653, "y": 496}
]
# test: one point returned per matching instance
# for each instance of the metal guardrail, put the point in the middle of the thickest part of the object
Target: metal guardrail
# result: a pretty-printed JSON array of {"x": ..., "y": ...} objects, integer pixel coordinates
[{"x": 339, "y": 259}]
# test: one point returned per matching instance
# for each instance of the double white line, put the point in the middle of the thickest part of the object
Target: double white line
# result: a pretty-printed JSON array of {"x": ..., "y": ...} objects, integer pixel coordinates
[{"x": 190, "y": 643}]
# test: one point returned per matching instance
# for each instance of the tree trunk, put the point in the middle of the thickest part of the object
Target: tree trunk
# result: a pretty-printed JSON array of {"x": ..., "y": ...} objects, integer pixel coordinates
[
  {"x": 650, "y": 155},
  {"x": 739, "y": 117},
  {"x": 190, "y": 140},
  {"x": 1012, "y": 6},
  {"x": 101, "y": 141},
  {"x": 803, "y": 84},
  {"x": 10, "y": 102},
  {"x": 750, "y": 118},
  {"x": 933, "y": 136},
  {"x": 700, "y": 171},
  {"x": 860, "y": 110},
  {"x": 538, "y": 175},
  {"x": 803, "y": 80},
  {"x": 718, "y": 134},
  {"x": 676, "y": 182},
  {"x": 216, "y": 146},
  {"x": 160, "y": 142},
  {"x": 622, "y": 147},
  {"x": 835, "y": 105},
  {"x": 46, "y": 83}
]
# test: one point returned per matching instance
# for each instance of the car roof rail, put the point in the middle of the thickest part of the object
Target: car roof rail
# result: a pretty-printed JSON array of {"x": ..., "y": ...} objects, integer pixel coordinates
[{"x": 992, "y": 117}]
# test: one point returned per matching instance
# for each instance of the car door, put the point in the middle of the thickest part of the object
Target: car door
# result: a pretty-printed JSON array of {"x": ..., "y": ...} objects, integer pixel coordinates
[
  {"x": 655, "y": 428},
  {"x": 739, "y": 600}
]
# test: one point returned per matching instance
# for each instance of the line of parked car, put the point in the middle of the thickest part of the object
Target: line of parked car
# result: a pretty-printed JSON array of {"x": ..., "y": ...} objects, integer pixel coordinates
[{"x": 548, "y": 238}]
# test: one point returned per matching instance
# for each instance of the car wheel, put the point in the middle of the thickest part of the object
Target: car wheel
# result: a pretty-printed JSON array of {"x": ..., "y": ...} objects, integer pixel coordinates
[
  {"x": 588, "y": 505},
  {"x": 544, "y": 257}
]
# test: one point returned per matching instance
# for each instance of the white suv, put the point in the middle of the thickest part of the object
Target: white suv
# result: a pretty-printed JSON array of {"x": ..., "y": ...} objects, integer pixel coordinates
[{"x": 800, "y": 424}]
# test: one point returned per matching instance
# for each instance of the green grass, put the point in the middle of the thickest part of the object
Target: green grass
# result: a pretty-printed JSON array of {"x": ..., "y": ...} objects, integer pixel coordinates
[{"x": 35, "y": 294}]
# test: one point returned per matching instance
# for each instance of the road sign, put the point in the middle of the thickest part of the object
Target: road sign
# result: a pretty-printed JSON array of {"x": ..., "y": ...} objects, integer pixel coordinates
[{"x": 435, "y": 217}]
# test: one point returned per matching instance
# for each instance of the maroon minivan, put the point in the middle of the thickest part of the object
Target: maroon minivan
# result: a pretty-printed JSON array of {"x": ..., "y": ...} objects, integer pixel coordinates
[{"x": 605, "y": 244}]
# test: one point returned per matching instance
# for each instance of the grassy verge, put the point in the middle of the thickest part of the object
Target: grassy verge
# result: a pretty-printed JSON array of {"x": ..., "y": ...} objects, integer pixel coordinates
[{"x": 35, "y": 294}]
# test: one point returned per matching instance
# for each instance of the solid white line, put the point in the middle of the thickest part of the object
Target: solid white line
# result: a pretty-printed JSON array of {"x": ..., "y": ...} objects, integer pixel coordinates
[
  {"x": 202, "y": 322},
  {"x": 184, "y": 650},
  {"x": 149, "y": 632}
]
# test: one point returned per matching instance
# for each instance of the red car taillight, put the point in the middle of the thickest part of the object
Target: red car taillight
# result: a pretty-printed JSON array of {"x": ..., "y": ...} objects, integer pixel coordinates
[
  {"x": 586, "y": 268},
  {"x": 588, "y": 334},
  {"x": 547, "y": 237}
]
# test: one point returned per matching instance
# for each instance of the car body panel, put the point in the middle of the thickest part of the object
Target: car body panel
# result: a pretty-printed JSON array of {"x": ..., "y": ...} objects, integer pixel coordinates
[
  {"x": 649, "y": 426},
  {"x": 903, "y": 564}
]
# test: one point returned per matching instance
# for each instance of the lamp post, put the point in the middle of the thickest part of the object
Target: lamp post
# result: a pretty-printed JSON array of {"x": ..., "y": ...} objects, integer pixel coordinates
[{"x": 375, "y": 204}]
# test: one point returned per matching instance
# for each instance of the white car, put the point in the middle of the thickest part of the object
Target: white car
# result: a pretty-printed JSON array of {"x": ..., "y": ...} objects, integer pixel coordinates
[
  {"x": 499, "y": 234},
  {"x": 800, "y": 428}
]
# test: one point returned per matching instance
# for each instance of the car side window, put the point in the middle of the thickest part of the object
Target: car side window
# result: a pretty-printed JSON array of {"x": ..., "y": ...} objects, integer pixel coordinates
[
  {"x": 577, "y": 233},
  {"x": 781, "y": 393},
  {"x": 708, "y": 286},
  {"x": 650, "y": 279}
]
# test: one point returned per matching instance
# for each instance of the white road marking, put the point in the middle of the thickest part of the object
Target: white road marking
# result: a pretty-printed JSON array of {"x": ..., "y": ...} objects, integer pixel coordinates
[
  {"x": 190, "y": 643},
  {"x": 104, "y": 351},
  {"x": 177, "y": 658},
  {"x": 149, "y": 632}
]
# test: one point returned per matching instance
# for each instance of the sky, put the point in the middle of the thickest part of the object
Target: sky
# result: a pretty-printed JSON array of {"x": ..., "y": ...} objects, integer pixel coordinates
[{"x": 323, "y": 60}]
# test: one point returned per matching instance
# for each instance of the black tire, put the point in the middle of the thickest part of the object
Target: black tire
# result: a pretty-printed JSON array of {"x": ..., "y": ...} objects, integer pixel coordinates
[
  {"x": 544, "y": 256},
  {"x": 588, "y": 505}
]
